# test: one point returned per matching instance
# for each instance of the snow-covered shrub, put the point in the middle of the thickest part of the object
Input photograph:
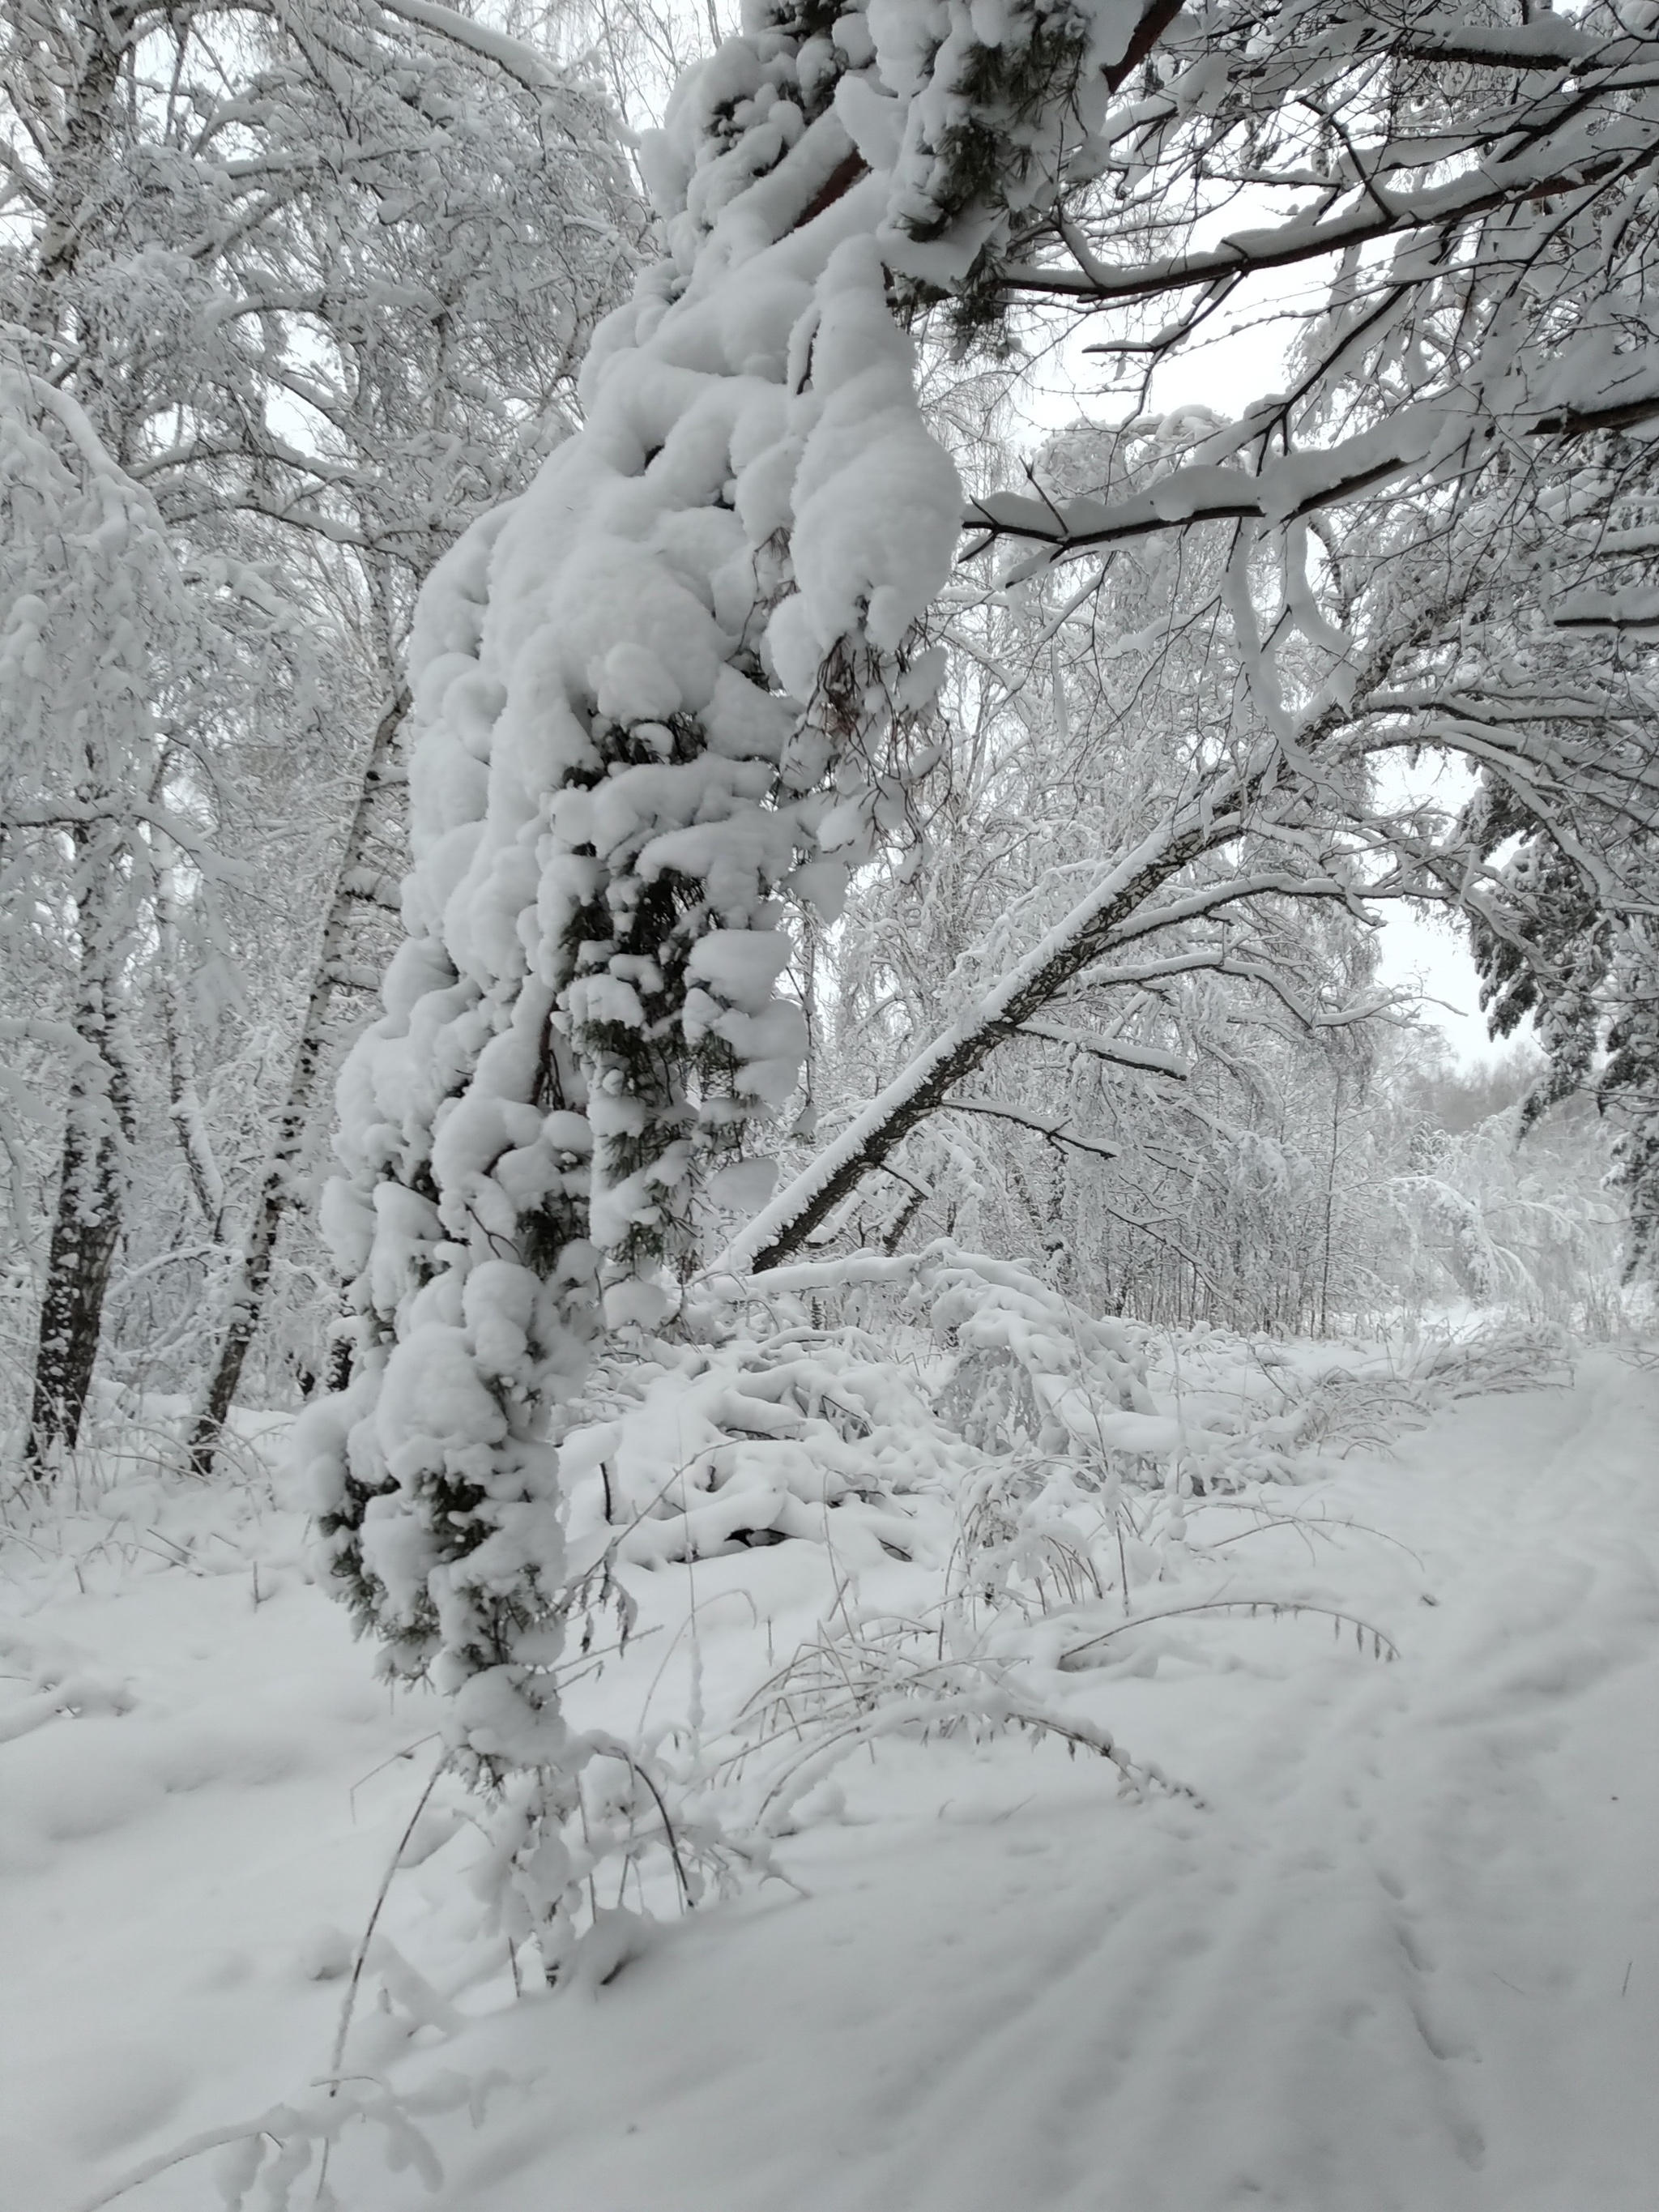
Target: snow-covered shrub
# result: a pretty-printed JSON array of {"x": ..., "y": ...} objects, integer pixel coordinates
[
  {"x": 786, "y": 1427},
  {"x": 1510, "y": 1217},
  {"x": 969, "y": 1412},
  {"x": 870, "y": 1679},
  {"x": 798, "y": 1432},
  {"x": 1032, "y": 1370}
]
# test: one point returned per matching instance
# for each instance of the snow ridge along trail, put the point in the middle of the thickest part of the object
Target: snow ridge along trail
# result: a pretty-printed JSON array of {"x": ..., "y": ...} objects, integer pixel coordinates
[{"x": 1403, "y": 1953}]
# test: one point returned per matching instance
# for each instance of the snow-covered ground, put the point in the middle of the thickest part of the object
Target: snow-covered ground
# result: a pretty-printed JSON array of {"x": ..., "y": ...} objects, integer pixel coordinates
[{"x": 1393, "y": 1942}]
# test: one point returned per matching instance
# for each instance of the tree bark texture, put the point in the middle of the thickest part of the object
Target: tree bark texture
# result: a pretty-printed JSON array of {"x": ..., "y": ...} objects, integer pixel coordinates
[
  {"x": 86, "y": 1230},
  {"x": 276, "y": 1186}
]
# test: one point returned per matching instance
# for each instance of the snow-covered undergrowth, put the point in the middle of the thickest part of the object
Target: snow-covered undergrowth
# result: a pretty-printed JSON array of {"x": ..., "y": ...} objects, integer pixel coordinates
[
  {"x": 944, "y": 1409},
  {"x": 1048, "y": 1478},
  {"x": 1032, "y": 1535},
  {"x": 787, "y": 1424}
]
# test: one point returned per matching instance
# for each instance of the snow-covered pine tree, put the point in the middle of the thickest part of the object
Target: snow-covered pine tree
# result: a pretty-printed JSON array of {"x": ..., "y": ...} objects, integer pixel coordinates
[
  {"x": 1586, "y": 972},
  {"x": 670, "y": 691}
]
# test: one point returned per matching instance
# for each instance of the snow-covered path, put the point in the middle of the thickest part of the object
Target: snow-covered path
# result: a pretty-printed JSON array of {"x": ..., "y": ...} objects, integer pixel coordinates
[
  {"x": 1404, "y": 1956},
  {"x": 1402, "y": 1951}
]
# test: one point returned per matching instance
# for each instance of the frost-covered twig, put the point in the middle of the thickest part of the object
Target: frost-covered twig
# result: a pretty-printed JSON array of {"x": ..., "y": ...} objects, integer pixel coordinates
[{"x": 1382, "y": 1645}]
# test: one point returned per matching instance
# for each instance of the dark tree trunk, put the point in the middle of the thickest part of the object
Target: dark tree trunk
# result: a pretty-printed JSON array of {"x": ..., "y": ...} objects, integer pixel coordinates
[
  {"x": 85, "y": 1230},
  {"x": 85, "y": 1233},
  {"x": 77, "y": 203}
]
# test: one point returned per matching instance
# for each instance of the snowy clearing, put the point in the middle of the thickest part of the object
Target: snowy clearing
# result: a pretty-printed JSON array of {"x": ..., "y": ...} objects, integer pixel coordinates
[{"x": 1397, "y": 1948}]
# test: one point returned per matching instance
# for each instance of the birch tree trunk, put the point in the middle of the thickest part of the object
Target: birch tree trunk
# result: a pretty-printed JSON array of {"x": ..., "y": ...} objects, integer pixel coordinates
[
  {"x": 102, "y": 36},
  {"x": 278, "y": 1184},
  {"x": 85, "y": 1233},
  {"x": 87, "y": 1224}
]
